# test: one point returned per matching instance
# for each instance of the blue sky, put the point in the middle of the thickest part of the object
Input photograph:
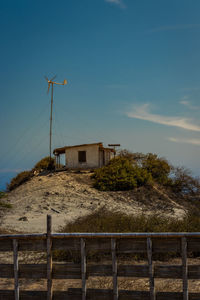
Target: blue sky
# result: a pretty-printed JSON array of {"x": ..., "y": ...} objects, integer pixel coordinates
[{"x": 133, "y": 78}]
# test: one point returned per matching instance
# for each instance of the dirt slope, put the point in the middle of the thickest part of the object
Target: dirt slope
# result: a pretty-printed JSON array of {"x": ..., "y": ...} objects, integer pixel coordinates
[{"x": 69, "y": 195}]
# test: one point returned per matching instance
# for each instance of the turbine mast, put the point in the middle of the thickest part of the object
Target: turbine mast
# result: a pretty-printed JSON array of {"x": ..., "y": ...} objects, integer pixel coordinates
[
  {"x": 50, "y": 131},
  {"x": 51, "y": 83}
]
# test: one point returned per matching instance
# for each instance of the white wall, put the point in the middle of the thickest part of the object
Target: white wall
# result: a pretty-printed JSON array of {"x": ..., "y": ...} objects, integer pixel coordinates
[{"x": 92, "y": 157}]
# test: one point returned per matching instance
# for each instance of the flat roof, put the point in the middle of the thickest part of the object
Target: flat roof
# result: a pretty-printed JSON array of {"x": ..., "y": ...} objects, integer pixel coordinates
[{"x": 62, "y": 149}]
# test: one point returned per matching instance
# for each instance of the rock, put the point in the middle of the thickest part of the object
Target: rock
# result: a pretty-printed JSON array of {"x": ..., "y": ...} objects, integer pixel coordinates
[{"x": 23, "y": 219}]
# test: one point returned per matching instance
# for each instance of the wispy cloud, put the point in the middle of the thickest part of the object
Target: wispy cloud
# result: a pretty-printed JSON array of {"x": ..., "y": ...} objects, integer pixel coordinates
[
  {"x": 185, "y": 141},
  {"x": 189, "y": 105},
  {"x": 175, "y": 27},
  {"x": 120, "y": 3},
  {"x": 143, "y": 113}
]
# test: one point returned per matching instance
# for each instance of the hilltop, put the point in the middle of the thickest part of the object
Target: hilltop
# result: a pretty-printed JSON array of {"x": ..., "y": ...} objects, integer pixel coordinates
[{"x": 68, "y": 195}]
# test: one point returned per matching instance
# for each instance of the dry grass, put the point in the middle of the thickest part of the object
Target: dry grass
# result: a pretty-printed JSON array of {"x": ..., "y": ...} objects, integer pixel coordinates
[{"x": 106, "y": 221}]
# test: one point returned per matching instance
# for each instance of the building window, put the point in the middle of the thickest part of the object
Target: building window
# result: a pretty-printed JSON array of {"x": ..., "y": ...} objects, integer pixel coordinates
[{"x": 81, "y": 156}]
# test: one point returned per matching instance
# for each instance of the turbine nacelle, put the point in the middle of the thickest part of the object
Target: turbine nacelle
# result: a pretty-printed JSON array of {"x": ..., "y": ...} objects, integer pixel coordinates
[{"x": 53, "y": 82}]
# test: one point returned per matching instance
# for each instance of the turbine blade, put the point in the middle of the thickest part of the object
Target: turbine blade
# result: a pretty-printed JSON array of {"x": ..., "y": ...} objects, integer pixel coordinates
[
  {"x": 53, "y": 78},
  {"x": 46, "y": 78},
  {"x": 48, "y": 88}
]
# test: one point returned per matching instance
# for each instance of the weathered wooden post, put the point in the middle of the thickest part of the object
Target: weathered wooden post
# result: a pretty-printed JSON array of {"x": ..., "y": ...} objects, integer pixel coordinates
[
  {"x": 114, "y": 269},
  {"x": 151, "y": 276},
  {"x": 184, "y": 267},
  {"x": 16, "y": 268},
  {"x": 49, "y": 258},
  {"x": 83, "y": 269}
]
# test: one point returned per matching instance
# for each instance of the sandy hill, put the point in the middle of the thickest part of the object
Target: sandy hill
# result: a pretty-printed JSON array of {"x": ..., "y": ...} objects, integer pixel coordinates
[{"x": 69, "y": 195}]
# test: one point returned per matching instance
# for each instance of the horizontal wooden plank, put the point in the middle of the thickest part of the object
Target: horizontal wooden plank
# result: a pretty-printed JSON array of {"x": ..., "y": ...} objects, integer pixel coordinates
[
  {"x": 175, "y": 271},
  {"x": 166, "y": 271},
  {"x": 36, "y": 271},
  {"x": 6, "y": 245},
  {"x": 134, "y": 295},
  {"x": 72, "y": 271},
  {"x": 24, "y": 295},
  {"x": 131, "y": 246},
  {"x": 25, "y": 271},
  {"x": 71, "y": 244},
  {"x": 194, "y": 271},
  {"x": 95, "y": 294},
  {"x": 176, "y": 296},
  {"x": 102, "y": 294},
  {"x": 97, "y": 244},
  {"x": 66, "y": 271},
  {"x": 193, "y": 244},
  {"x": 124, "y": 245},
  {"x": 160, "y": 245},
  {"x": 26, "y": 236},
  {"x": 99, "y": 270},
  {"x": 23, "y": 245},
  {"x": 6, "y": 271},
  {"x": 164, "y": 245},
  {"x": 122, "y": 270}
]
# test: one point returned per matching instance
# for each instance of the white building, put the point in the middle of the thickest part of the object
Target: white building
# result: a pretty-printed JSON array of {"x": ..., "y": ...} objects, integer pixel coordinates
[{"x": 86, "y": 156}]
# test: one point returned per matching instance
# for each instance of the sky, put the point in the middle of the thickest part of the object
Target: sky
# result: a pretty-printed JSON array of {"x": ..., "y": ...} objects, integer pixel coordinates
[{"x": 133, "y": 72}]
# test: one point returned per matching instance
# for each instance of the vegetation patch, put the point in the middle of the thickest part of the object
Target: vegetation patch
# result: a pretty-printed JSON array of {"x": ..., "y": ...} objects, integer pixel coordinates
[
  {"x": 19, "y": 179},
  {"x": 131, "y": 170},
  {"x": 120, "y": 175},
  {"x": 106, "y": 221},
  {"x": 44, "y": 164}
]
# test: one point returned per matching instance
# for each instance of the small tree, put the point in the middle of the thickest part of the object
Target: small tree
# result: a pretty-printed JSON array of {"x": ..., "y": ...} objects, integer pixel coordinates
[
  {"x": 183, "y": 182},
  {"x": 159, "y": 168},
  {"x": 119, "y": 175}
]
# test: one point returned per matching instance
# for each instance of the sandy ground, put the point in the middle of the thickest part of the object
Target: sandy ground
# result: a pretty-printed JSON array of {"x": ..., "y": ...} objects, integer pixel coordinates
[{"x": 69, "y": 195}]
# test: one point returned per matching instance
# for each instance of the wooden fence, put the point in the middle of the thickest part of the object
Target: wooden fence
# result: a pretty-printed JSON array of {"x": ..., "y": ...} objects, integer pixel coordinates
[{"x": 113, "y": 243}]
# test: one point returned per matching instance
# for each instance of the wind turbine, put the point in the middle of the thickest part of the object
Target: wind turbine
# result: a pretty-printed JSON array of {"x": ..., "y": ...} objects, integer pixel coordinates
[{"x": 51, "y": 83}]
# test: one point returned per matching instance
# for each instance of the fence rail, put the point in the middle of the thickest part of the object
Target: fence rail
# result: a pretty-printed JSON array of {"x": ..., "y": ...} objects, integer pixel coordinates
[{"x": 113, "y": 243}]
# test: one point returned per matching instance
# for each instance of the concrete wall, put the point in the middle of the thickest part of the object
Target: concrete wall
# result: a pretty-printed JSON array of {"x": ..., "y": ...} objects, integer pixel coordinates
[{"x": 92, "y": 157}]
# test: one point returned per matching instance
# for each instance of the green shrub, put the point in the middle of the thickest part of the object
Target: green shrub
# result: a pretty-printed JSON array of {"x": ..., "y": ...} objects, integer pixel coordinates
[
  {"x": 45, "y": 164},
  {"x": 19, "y": 179},
  {"x": 119, "y": 175},
  {"x": 159, "y": 168}
]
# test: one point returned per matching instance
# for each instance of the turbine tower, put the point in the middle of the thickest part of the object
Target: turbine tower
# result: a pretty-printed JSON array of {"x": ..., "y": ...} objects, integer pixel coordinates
[{"x": 51, "y": 83}]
